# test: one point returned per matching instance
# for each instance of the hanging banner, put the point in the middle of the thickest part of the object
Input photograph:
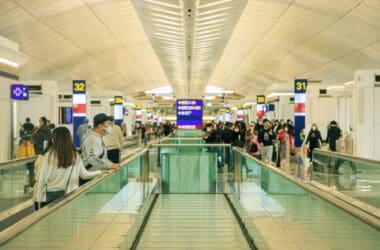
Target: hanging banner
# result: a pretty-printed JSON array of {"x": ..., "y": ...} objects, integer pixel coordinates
[
  {"x": 300, "y": 86},
  {"x": 260, "y": 106},
  {"x": 79, "y": 107},
  {"x": 118, "y": 110}
]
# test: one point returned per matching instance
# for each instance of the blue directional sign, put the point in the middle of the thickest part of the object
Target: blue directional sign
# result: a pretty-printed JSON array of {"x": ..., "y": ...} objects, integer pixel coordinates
[{"x": 19, "y": 92}]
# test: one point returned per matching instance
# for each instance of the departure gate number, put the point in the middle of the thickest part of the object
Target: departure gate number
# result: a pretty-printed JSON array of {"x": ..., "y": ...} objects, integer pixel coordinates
[
  {"x": 301, "y": 86},
  {"x": 79, "y": 87}
]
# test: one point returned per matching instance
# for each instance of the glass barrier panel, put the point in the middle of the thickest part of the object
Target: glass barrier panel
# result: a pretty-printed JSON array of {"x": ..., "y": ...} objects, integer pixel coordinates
[
  {"x": 189, "y": 172},
  {"x": 354, "y": 177},
  {"x": 296, "y": 216},
  {"x": 16, "y": 184},
  {"x": 189, "y": 133},
  {"x": 96, "y": 217}
]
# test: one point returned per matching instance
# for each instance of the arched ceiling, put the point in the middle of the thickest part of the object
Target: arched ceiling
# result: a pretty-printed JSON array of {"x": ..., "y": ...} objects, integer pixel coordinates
[{"x": 271, "y": 41}]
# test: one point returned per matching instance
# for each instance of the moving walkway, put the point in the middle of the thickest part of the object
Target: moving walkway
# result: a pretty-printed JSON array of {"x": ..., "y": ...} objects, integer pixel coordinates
[{"x": 184, "y": 202}]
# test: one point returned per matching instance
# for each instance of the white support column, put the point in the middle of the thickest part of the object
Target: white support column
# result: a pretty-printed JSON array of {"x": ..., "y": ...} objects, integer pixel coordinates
[{"x": 366, "y": 102}]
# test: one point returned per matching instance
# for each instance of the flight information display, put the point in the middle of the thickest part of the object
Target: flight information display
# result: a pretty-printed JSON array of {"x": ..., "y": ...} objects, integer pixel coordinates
[{"x": 189, "y": 114}]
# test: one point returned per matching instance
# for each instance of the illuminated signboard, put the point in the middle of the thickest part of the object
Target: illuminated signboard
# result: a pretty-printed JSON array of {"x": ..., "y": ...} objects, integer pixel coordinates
[
  {"x": 118, "y": 100},
  {"x": 79, "y": 107},
  {"x": 189, "y": 114},
  {"x": 260, "y": 105},
  {"x": 118, "y": 109},
  {"x": 227, "y": 115},
  {"x": 300, "y": 86},
  {"x": 240, "y": 115},
  {"x": 19, "y": 92}
]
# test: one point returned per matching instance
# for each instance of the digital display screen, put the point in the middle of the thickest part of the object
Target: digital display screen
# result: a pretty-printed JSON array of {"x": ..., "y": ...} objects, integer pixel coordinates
[
  {"x": 189, "y": 114},
  {"x": 118, "y": 112},
  {"x": 19, "y": 92},
  {"x": 65, "y": 115}
]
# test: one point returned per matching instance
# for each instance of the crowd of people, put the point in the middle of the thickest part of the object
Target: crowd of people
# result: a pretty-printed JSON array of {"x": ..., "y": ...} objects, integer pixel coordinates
[
  {"x": 270, "y": 141},
  {"x": 60, "y": 167}
]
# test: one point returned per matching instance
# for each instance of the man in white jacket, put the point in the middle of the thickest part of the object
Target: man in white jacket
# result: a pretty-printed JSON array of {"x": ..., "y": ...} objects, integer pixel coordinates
[{"x": 94, "y": 152}]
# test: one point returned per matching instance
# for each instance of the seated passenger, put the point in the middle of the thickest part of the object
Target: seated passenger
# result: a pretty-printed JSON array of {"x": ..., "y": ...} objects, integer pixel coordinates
[{"x": 61, "y": 168}]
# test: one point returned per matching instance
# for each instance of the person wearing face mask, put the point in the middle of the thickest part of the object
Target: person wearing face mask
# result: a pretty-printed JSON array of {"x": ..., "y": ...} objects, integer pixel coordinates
[
  {"x": 210, "y": 136},
  {"x": 334, "y": 133},
  {"x": 313, "y": 140},
  {"x": 238, "y": 135},
  {"x": 94, "y": 152}
]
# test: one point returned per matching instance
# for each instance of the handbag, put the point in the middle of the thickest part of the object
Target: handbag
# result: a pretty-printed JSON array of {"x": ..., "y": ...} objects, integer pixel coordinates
[{"x": 54, "y": 195}]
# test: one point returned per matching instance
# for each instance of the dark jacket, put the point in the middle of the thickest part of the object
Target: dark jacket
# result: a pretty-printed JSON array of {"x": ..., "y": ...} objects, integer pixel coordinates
[
  {"x": 210, "y": 137},
  {"x": 26, "y": 130},
  {"x": 39, "y": 136},
  {"x": 314, "y": 138},
  {"x": 227, "y": 136},
  {"x": 333, "y": 134},
  {"x": 238, "y": 138},
  {"x": 266, "y": 137}
]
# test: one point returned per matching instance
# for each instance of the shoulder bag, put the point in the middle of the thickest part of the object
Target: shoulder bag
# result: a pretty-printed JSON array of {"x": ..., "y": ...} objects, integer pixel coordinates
[{"x": 52, "y": 196}]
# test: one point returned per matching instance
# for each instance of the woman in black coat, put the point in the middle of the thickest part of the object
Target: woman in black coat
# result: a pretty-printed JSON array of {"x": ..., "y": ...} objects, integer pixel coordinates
[{"x": 314, "y": 139}]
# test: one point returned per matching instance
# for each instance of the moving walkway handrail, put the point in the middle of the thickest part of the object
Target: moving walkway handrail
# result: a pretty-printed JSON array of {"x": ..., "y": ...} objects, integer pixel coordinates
[
  {"x": 347, "y": 157},
  {"x": 191, "y": 145},
  {"x": 322, "y": 192},
  {"x": 16, "y": 162},
  {"x": 182, "y": 139},
  {"x": 30, "y": 220}
]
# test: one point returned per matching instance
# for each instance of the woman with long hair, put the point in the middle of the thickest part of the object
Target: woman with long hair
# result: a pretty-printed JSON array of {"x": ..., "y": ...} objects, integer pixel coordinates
[{"x": 61, "y": 168}]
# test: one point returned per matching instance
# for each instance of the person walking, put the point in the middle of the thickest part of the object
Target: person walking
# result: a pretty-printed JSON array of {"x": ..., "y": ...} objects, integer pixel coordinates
[
  {"x": 334, "y": 133},
  {"x": 265, "y": 139},
  {"x": 313, "y": 140}
]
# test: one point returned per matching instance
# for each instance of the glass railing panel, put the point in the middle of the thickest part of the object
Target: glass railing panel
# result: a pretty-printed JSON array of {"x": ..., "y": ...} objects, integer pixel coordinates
[
  {"x": 303, "y": 218},
  {"x": 189, "y": 133},
  {"x": 193, "y": 168},
  {"x": 16, "y": 183},
  {"x": 85, "y": 220},
  {"x": 189, "y": 172},
  {"x": 355, "y": 177}
]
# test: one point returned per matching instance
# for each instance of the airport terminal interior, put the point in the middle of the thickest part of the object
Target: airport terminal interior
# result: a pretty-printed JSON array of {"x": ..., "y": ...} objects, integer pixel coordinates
[{"x": 190, "y": 124}]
